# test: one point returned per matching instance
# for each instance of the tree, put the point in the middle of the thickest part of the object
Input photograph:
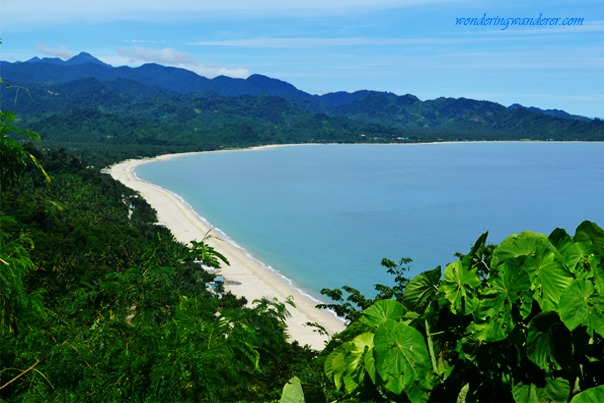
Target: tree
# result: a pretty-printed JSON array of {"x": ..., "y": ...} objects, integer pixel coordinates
[
  {"x": 352, "y": 308},
  {"x": 523, "y": 321},
  {"x": 13, "y": 156}
]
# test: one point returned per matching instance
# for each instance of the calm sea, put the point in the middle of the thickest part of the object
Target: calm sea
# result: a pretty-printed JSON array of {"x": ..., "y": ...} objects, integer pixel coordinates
[{"x": 325, "y": 215}]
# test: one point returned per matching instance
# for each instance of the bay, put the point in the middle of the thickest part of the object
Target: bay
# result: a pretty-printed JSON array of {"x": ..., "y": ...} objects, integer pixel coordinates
[{"x": 325, "y": 215}]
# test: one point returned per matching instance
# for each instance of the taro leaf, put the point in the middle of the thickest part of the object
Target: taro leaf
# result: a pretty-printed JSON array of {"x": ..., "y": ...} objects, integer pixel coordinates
[
  {"x": 518, "y": 245},
  {"x": 493, "y": 319},
  {"x": 549, "y": 277},
  {"x": 526, "y": 305},
  {"x": 381, "y": 311},
  {"x": 548, "y": 274},
  {"x": 548, "y": 341},
  {"x": 459, "y": 287},
  {"x": 475, "y": 259},
  {"x": 355, "y": 360},
  {"x": 580, "y": 305},
  {"x": 345, "y": 364},
  {"x": 578, "y": 257},
  {"x": 560, "y": 239},
  {"x": 421, "y": 290},
  {"x": 555, "y": 390},
  {"x": 592, "y": 395},
  {"x": 598, "y": 276},
  {"x": 590, "y": 232},
  {"x": 419, "y": 393},
  {"x": 335, "y": 364},
  {"x": 370, "y": 364},
  {"x": 402, "y": 358},
  {"x": 292, "y": 392}
]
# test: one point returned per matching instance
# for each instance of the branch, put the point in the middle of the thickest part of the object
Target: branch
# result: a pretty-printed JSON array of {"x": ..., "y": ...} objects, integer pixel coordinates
[{"x": 21, "y": 374}]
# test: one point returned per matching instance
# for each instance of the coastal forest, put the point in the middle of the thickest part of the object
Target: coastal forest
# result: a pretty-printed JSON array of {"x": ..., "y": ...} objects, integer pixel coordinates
[
  {"x": 99, "y": 303},
  {"x": 105, "y": 113}
]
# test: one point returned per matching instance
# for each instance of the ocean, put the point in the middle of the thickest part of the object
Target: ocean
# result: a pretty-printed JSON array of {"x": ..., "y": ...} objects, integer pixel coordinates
[{"x": 324, "y": 216}]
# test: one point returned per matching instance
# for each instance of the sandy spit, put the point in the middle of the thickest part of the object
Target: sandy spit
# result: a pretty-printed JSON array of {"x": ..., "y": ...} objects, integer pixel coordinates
[{"x": 246, "y": 276}]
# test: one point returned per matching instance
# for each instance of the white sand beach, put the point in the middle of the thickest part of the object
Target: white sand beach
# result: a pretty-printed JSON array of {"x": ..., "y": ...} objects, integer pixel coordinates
[{"x": 246, "y": 276}]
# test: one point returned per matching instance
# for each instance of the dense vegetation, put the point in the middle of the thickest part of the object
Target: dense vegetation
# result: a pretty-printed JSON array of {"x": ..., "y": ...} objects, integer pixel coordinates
[
  {"x": 520, "y": 321},
  {"x": 97, "y": 302},
  {"x": 94, "y": 109}
]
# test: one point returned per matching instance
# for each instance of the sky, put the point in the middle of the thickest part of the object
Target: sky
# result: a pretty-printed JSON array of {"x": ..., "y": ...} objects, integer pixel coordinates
[{"x": 414, "y": 47}]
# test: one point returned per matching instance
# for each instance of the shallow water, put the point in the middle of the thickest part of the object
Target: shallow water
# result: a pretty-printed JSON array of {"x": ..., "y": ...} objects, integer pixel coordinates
[{"x": 325, "y": 215}]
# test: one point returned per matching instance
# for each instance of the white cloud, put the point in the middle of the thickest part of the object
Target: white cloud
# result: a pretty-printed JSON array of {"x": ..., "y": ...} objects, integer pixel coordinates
[
  {"x": 267, "y": 42},
  {"x": 168, "y": 56},
  {"x": 137, "y": 41},
  {"x": 172, "y": 57},
  {"x": 211, "y": 71},
  {"x": 272, "y": 42},
  {"x": 60, "y": 51}
]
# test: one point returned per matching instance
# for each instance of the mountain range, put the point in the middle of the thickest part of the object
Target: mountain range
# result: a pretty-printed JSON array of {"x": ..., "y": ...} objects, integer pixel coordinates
[{"x": 86, "y": 100}]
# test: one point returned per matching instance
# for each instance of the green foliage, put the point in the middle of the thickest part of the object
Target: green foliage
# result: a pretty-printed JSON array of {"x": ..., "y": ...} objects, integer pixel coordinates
[
  {"x": 355, "y": 303},
  {"x": 519, "y": 321},
  {"x": 203, "y": 253},
  {"x": 104, "y": 115},
  {"x": 18, "y": 308},
  {"x": 12, "y": 154},
  {"x": 402, "y": 358},
  {"x": 109, "y": 307},
  {"x": 292, "y": 392},
  {"x": 593, "y": 395}
]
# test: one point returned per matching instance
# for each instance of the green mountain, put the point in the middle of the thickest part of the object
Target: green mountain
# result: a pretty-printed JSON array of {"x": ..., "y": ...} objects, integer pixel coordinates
[
  {"x": 99, "y": 303},
  {"x": 155, "y": 109}
]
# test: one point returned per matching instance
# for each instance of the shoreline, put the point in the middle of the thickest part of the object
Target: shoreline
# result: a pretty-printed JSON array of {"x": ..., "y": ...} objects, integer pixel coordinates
[
  {"x": 250, "y": 277},
  {"x": 246, "y": 276}
]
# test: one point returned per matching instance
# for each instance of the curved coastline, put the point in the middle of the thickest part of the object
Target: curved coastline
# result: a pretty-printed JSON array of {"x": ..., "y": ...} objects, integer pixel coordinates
[{"x": 246, "y": 276}]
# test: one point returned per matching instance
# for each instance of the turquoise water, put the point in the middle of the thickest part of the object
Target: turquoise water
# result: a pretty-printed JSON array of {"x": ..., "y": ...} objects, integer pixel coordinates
[{"x": 325, "y": 215}]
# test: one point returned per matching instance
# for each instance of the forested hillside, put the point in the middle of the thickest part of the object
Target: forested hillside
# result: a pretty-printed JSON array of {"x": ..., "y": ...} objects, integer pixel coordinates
[
  {"x": 99, "y": 303},
  {"x": 86, "y": 105}
]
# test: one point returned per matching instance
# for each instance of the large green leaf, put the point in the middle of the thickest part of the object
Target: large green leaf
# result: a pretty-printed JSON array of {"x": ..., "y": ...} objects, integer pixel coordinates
[
  {"x": 370, "y": 367},
  {"x": 479, "y": 252},
  {"x": 548, "y": 342},
  {"x": 494, "y": 317},
  {"x": 345, "y": 365},
  {"x": 421, "y": 290},
  {"x": 459, "y": 287},
  {"x": 555, "y": 390},
  {"x": 598, "y": 279},
  {"x": 560, "y": 239},
  {"x": 581, "y": 305},
  {"x": 292, "y": 392},
  {"x": 579, "y": 255},
  {"x": 381, "y": 311},
  {"x": 335, "y": 364},
  {"x": 355, "y": 361},
  {"x": 549, "y": 277},
  {"x": 402, "y": 358},
  {"x": 518, "y": 245},
  {"x": 548, "y": 274},
  {"x": 590, "y": 232},
  {"x": 592, "y": 395}
]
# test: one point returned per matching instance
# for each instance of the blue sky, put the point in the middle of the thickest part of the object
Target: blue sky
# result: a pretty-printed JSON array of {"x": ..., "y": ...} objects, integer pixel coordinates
[{"x": 401, "y": 46}]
